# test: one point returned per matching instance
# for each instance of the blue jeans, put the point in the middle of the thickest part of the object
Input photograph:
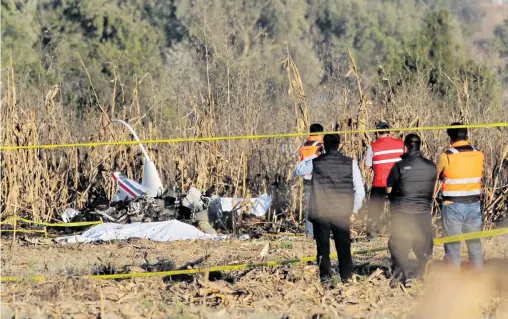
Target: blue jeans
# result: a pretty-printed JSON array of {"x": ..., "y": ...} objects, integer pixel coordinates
[
  {"x": 463, "y": 218},
  {"x": 308, "y": 225}
]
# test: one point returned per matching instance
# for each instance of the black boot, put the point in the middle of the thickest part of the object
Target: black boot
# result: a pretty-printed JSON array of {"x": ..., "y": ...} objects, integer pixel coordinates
[
  {"x": 398, "y": 277},
  {"x": 327, "y": 282}
]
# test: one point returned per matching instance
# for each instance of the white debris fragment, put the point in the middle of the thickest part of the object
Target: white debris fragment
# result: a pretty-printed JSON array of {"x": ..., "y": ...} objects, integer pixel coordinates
[
  {"x": 69, "y": 214},
  {"x": 193, "y": 200},
  {"x": 151, "y": 181},
  {"x": 259, "y": 205},
  {"x": 127, "y": 188}
]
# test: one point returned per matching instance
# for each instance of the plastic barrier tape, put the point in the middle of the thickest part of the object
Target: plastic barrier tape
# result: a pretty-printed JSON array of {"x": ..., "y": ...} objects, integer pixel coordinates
[
  {"x": 13, "y": 279},
  {"x": 243, "y": 137},
  {"x": 75, "y": 224},
  {"x": 201, "y": 270},
  {"x": 437, "y": 241},
  {"x": 474, "y": 235},
  {"x": 8, "y": 221},
  {"x": 23, "y": 230}
]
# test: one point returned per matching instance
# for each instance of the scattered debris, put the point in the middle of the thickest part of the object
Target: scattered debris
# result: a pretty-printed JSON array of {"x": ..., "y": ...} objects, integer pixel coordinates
[
  {"x": 148, "y": 202},
  {"x": 193, "y": 200},
  {"x": 260, "y": 205},
  {"x": 141, "y": 209},
  {"x": 68, "y": 214}
]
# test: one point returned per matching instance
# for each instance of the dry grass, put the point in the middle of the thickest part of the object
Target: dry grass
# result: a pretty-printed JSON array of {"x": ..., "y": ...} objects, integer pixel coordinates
[
  {"x": 271, "y": 292},
  {"x": 39, "y": 184}
]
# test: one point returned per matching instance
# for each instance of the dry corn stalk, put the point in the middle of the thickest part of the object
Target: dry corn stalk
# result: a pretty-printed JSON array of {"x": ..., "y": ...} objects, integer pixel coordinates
[
  {"x": 362, "y": 117},
  {"x": 301, "y": 111}
]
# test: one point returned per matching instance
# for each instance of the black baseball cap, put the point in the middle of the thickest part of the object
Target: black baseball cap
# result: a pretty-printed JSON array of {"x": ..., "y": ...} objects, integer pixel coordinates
[{"x": 382, "y": 125}]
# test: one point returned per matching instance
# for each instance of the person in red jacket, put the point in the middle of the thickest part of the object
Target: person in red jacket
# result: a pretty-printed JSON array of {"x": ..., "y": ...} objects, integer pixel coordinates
[{"x": 381, "y": 156}]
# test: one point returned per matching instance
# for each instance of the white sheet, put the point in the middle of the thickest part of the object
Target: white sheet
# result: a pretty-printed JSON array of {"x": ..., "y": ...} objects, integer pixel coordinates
[{"x": 156, "y": 231}]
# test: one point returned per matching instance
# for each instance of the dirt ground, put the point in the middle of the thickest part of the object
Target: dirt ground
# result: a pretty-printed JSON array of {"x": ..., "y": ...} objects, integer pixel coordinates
[{"x": 290, "y": 291}]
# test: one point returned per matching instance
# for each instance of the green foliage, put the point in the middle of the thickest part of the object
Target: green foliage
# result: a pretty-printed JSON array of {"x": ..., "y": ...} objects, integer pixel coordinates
[
  {"x": 372, "y": 29},
  {"x": 437, "y": 54},
  {"x": 218, "y": 41},
  {"x": 501, "y": 38},
  {"x": 501, "y": 44},
  {"x": 20, "y": 36}
]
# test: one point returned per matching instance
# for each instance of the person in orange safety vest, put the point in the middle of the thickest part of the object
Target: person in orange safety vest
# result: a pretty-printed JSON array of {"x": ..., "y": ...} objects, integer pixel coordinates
[
  {"x": 460, "y": 170},
  {"x": 313, "y": 146},
  {"x": 381, "y": 156}
]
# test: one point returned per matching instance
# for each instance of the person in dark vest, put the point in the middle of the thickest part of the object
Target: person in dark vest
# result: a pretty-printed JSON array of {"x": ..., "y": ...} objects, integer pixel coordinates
[
  {"x": 381, "y": 156},
  {"x": 313, "y": 146},
  {"x": 336, "y": 191},
  {"x": 410, "y": 187}
]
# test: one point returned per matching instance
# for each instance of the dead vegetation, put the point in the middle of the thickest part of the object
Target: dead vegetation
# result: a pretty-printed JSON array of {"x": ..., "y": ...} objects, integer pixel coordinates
[
  {"x": 269, "y": 292},
  {"x": 39, "y": 184}
]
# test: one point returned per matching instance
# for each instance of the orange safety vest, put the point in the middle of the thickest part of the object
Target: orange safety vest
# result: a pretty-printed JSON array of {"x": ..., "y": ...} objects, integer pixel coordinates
[
  {"x": 462, "y": 177},
  {"x": 313, "y": 145}
]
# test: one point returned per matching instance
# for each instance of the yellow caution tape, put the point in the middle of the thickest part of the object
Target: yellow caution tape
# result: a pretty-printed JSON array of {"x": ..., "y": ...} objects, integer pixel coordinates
[
  {"x": 11, "y": 279},
  {"x": 473, "y": 235},
  {"x": 23, "y": 230},
  {"x": 437, "y": 241},
  {"x": 75, "y": 224},
  {"x": 201, "y": 270},
  {"x": 243, "y": 137},
  {"x": 8, "y": 221}
]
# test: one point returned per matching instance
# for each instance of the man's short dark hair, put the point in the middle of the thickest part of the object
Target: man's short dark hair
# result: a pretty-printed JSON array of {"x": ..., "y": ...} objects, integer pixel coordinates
[
  {"x": 412, "y": 142},
  {"x": 316, "y": 128},
  {"x": 457, "y": 134},
  {"x": 331, "y": 142}
]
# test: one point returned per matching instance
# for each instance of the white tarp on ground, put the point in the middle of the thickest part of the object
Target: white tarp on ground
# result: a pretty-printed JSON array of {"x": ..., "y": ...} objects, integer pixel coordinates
[{"x": 156, "y": 231}]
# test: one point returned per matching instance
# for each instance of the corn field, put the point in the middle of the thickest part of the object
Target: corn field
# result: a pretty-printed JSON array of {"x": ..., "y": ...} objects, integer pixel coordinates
[{"x": 38, "y": 184}]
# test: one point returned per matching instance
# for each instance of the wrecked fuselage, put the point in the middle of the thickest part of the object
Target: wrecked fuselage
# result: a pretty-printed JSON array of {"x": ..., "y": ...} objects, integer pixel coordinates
[{"x": 149, "y": 202}]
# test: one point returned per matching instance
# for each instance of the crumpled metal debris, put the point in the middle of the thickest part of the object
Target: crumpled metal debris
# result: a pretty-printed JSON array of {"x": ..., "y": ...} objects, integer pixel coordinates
[
  {"x": 141, "y": 209},
  {"x": 190, "y": 208},
  {"x": 148, "y": 202},
  {"x": 133, "y": 203}
]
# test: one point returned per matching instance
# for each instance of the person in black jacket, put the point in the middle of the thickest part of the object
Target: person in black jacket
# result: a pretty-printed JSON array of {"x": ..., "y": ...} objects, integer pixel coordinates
[
  {"x": 336, "y": 191},
  {"x": 410, "y": 187}
]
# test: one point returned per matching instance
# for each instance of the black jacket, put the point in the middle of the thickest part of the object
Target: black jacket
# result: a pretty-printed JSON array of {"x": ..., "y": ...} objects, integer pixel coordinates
[
  {"x": 412, "y": 180},
  {"x": 332, "y": 194}
]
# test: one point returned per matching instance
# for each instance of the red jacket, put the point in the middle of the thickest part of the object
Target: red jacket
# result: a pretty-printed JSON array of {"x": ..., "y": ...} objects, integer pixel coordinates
[{"x": 386, "y": 152}]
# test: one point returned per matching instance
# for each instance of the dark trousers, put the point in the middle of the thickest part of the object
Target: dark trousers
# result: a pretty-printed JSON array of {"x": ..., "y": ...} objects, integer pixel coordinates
[
  {"x": 410, "y": 231},
  {"x": 341, "y": 236},
  {"x": 377, "y": 201}
]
